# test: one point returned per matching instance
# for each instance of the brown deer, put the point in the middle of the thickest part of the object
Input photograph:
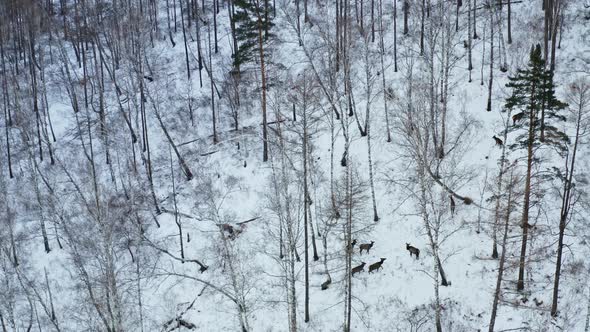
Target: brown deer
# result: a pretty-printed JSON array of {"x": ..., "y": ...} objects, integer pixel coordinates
[
  {"x": 517, "y": 117},
  {"x": 359, "y": 268},
  {"x": 366, "y": 246},
  {"x": 413, "y": 250},
  {"x": 376, "y": 266},
  {"x": 498, "y": 141},
  {"x": 351, "y": 245}
]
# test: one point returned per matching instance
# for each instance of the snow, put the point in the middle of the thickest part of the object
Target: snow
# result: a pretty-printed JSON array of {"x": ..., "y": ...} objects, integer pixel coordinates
[{"x": 395, "y": 298}]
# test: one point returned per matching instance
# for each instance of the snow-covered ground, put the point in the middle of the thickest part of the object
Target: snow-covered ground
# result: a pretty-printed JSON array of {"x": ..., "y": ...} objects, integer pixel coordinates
[{"x": 398, "y": 297}]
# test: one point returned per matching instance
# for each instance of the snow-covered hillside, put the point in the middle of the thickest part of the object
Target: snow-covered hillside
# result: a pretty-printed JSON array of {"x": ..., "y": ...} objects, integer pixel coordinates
[{"x": 134, "y": 195}]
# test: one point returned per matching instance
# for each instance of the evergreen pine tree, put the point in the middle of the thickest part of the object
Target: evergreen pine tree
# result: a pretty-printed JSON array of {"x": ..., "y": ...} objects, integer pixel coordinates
[
  {"x": 252, "y": 31},
  {"x": 251, "y": 18},
  {"x": 533, "y": 99},
  {"x": 535, "y": 110}
]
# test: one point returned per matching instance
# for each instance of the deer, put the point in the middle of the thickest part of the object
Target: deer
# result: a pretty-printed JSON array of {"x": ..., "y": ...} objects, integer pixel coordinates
[
  {"x": 498, "y": 140},
  {"x": 366, "y": 246},
  {"x": 413, "y": 250},
  {"x": 359, "y": 268},
  {"x": 452, "y": 205},
  {"x": 351, "y": 245},
  {"x": 517, "y": 117},
  {"x": 376, "y": 266}
]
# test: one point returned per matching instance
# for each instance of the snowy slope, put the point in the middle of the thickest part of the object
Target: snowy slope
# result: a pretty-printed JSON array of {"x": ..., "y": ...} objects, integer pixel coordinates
[{"x": 398, "y": 297}]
